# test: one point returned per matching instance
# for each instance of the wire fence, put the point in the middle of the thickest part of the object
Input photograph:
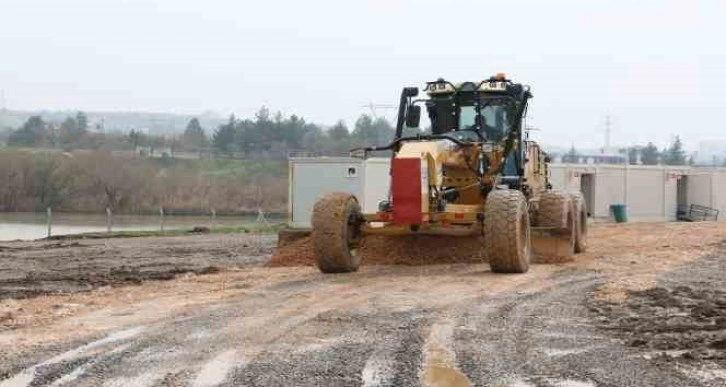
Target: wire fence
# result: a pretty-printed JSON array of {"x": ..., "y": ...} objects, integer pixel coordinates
[{"x": 168, "y": 224}]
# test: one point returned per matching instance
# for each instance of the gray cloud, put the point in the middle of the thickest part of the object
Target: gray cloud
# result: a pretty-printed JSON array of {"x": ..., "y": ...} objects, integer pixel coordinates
[{"x": 655, "y": 66}]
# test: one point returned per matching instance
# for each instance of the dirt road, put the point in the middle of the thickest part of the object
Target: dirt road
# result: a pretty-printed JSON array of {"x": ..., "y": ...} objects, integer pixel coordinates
[{"x": 593, "y": 322}]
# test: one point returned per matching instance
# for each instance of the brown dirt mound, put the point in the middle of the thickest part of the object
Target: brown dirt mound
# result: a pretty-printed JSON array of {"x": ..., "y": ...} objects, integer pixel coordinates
[{"x": 387, "y": 250}]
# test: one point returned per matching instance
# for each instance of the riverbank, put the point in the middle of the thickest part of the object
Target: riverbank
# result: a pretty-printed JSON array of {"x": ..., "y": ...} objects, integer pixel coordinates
[
  {"x": 32, "y": 226},
  {"x": 261, "y": 229}
]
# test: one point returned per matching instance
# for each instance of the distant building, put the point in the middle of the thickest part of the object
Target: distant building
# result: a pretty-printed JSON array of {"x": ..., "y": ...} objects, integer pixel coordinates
[
  {"x": 158, "y": 152},
  {"x": 591, "y": 158},
  {"x": 143, "y": 151},
  {"x": 710, "y": 151}
]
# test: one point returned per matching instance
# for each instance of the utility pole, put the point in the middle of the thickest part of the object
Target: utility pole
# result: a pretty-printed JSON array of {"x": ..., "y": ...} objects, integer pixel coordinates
[
  {"x": 607, "y": 133},
  {"x": 528, "y": 127}
]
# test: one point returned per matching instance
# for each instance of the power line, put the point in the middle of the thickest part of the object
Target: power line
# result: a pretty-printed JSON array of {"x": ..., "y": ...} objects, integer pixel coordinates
[{"x": 373, "y": 106}]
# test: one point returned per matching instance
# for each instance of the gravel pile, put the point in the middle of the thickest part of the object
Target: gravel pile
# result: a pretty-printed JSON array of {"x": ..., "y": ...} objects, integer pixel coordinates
[{"x": 388, "y": 250}]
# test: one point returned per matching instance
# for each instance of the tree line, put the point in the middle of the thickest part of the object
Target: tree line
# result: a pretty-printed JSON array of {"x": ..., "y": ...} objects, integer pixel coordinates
[
  {"x": 98, "y": 170},
  {"x": 267, "y": 134},
  {"x": 91, "y": 181},
  {"x": 648, "y": 154},
  {"x": 276, "y": 135}
]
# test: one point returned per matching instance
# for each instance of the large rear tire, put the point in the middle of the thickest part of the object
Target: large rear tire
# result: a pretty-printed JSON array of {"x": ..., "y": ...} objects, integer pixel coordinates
[
  {"x": 336, "y": 233},
  {"x": 506, "y": 232},
  {"x": 580, "y": 209},
  {"x": 554, "y": 207}
]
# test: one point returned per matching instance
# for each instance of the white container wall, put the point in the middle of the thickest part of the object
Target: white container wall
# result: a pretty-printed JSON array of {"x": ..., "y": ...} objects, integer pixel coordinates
[
  {"x": 699, "y": 189},
  {"x": 718, "y": 191},
  {"x": 376, "y": 183},
  {"x": 650, "y": 192},
  {"x": 312, "y": 178}
]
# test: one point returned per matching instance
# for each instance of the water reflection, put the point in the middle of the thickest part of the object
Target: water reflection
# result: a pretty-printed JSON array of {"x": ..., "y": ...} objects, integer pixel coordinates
[{"x": 28, "y": 226}]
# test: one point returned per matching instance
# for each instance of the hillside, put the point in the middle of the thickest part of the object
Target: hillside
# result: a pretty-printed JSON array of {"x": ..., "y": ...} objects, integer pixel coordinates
[{"x": 152, "y": 123}]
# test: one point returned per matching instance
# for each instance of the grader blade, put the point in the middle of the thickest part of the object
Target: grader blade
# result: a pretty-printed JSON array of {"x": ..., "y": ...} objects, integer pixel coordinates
[{"x": 552, "y": 245}]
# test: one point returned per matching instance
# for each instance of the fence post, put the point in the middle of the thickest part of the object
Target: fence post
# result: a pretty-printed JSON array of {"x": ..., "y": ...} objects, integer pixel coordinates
[
  {"x": 49, "y": 216},
  {"x": 214, "y": 217},
  {"x": 260, "y": 222},
  {"x": 261, "y": 216},
  {"x": 161, "y": 212},
  {"x": 108, "y": 219}
]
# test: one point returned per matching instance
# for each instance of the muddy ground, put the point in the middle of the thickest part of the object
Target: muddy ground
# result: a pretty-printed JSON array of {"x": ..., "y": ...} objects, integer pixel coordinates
[
  {"x": 29, "y": 269},
  {"x": 643, "y": 307},
  {"x": 681, "y": 321}
]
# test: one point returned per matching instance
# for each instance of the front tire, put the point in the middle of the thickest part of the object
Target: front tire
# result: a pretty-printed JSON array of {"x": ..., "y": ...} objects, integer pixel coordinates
[
  {"x": 336, "y": 234},
  {"x": 506, "y": 232}
]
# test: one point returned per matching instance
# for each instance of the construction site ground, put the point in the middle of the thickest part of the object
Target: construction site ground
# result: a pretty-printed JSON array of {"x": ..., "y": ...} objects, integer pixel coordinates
[{"x": 645, "y": 306}]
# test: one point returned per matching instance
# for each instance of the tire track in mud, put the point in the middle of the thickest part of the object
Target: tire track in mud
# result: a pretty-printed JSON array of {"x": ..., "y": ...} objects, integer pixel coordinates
[
  {"x": 382, "y": 327},
  {"x": 384, "y": 350},
  {"x": 194, "y": 342},
  {"x": 77, "y": 360}
]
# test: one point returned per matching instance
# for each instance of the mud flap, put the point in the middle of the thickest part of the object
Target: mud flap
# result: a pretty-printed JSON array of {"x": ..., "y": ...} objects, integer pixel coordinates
[{"x": 406, "y": 190}]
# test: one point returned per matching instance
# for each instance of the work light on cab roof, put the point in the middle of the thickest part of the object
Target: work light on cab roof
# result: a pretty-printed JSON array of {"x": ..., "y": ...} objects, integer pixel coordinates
[
  {"x": 470, "y": 172},
  {"x": 496, "y": 82}
]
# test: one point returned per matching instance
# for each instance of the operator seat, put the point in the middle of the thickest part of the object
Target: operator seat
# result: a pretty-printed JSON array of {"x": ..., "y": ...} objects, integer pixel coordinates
[
  {"x": 510, "y": 165},
  {"x": 442, "y": 121}
]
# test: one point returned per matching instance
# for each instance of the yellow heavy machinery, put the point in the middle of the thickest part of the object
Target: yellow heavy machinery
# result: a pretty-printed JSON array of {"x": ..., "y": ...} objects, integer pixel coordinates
[{"x": 474, "y": 173}]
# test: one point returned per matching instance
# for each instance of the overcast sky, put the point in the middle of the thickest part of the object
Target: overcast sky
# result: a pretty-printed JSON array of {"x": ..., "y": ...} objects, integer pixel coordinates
[{"x": 658, "y": 67}]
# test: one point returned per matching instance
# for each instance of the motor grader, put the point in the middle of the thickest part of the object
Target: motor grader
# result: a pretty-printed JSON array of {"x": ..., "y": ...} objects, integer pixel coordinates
[{"x": 474, "y": 173}]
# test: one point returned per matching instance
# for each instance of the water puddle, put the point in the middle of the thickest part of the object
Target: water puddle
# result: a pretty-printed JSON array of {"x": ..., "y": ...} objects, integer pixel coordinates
[
  {"x": 440, "y": 368},
  {"x": 572, "y": 383}
]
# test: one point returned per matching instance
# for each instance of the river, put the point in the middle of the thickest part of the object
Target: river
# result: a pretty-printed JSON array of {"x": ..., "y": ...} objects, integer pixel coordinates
[{"x": 28, "y": 226}]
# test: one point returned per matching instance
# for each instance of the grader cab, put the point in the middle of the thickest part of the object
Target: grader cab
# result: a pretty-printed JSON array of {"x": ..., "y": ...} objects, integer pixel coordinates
[{"x": 475, "y": 173}]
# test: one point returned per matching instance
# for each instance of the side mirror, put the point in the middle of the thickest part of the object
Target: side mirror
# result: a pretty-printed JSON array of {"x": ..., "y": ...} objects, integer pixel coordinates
[
  {"x": 413, "y": 116},
  {"x": 410, "y": 91}
]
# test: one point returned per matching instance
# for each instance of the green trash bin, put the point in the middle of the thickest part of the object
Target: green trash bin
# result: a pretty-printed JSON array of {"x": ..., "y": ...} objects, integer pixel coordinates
[{"x": 620, "y": 211}]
